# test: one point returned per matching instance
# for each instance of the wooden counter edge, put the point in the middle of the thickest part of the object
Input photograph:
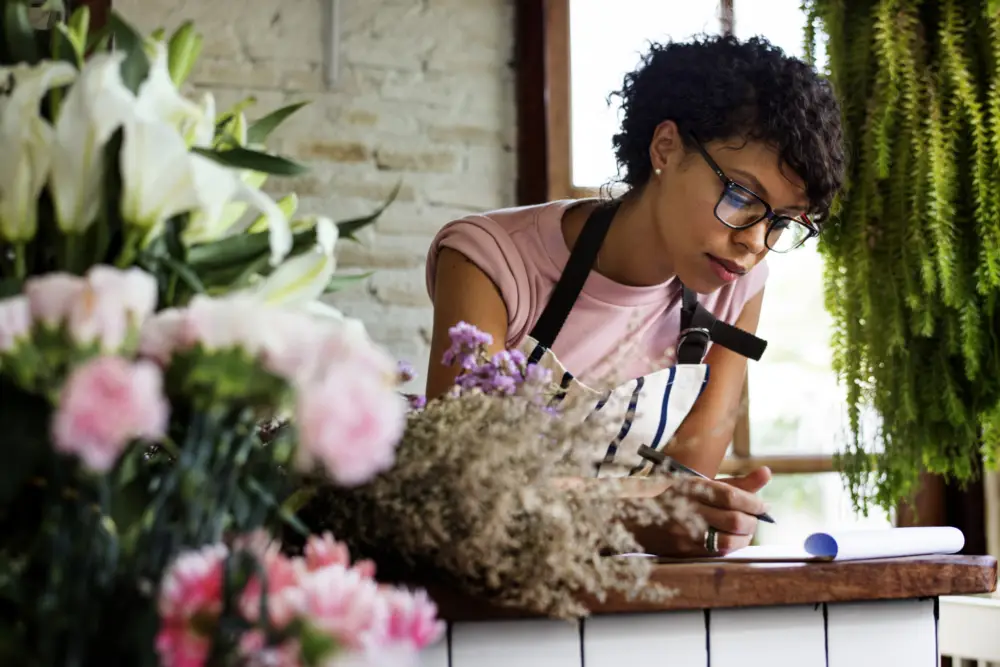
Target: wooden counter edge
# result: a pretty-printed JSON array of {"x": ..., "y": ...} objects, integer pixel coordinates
[{"x": 730, "y": 585}]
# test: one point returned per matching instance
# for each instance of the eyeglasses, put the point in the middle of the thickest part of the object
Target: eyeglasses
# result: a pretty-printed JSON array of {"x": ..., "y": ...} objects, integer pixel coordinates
[{"x": 740, "y": 208}]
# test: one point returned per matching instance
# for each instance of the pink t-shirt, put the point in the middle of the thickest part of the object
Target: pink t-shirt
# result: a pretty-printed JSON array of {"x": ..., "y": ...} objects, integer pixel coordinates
[{"x": 614, "y": 330}]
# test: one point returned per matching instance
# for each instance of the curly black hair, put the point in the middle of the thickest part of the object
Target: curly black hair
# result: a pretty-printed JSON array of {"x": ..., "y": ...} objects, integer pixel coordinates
[{"x": 724, "y": 88}]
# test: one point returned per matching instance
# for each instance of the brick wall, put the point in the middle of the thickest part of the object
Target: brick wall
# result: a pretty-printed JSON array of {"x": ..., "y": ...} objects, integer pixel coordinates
[{"x": 424, "y": 97}]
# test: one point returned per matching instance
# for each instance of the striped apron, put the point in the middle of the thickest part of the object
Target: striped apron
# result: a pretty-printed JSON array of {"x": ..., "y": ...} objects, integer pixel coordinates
[{"x": 650, "y": 408}]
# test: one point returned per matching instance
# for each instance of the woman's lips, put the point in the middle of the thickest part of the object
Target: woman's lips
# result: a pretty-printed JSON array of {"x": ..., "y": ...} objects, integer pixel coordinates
[{"x": 726, "y": 270}]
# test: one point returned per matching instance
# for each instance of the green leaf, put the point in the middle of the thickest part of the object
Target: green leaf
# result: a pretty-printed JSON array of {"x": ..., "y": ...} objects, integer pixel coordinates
[
  {"x": 265, "y": 496},
  {"x": 185, "y": 273},
  {"x": 348, "y": 228},
  {"x": 18, "y": 33},
  {"x": 244, "y": 158},
  {"x": 63, "y": 47},
  {"x": 183, "y": 51},
  {"x": 262, "y": 128},
  {"x": 98, "y": 41},
  {"x": 239, "y": 249},
  {"x": 135, "y": 67},
  {"x": 342, "y": 281},
  {"x": 226, "y": 116},
  {"x": 74, "y": 34}
]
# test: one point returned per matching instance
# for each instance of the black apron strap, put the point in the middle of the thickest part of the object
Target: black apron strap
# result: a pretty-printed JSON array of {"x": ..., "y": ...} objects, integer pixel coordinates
[
  {"x": 699, "y": 326},
  {"x": 574, "y": 275}
]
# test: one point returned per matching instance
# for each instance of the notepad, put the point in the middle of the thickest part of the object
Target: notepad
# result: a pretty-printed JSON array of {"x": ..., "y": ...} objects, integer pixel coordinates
[{"x": 844, "y": 545}]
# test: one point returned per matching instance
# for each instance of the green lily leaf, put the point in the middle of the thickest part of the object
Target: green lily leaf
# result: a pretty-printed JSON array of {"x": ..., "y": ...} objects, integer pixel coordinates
[
  {"x": 135, "y": 67},
  {"x": 244, "y": 158},
  {"x": 100, "y": 40},
  {"x": 18, "y": 33},
  {"x": 348, "y": 228},
  {"x": 261, "y": 129}
]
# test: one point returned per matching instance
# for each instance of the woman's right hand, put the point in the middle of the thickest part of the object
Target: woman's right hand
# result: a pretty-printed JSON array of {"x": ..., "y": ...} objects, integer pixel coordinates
[{"x": 729, "y": 505}]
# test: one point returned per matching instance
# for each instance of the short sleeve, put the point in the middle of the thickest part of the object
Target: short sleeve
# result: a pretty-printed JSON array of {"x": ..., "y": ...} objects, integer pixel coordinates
[{"x": 489, "y": 246}]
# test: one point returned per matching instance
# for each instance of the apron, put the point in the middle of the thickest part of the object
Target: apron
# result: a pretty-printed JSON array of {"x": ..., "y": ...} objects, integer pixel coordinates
[{"x": 650, "y": 408}]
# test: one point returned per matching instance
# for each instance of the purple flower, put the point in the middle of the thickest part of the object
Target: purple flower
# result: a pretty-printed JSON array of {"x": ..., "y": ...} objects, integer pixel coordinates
[
  {"x": 466, "y": 343},
  {"x": 405, "y": 372},
  {"x": 417, "y": 401}
]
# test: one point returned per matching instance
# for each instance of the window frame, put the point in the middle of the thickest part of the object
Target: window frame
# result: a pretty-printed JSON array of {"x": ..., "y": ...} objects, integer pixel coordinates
[{"x": 545, "y": 168}]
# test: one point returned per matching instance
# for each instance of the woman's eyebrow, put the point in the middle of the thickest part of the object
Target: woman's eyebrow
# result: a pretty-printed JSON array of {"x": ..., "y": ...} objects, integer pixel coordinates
[
  {"x": 759, "y": 190},
  {"x": 755, "y": 185}
]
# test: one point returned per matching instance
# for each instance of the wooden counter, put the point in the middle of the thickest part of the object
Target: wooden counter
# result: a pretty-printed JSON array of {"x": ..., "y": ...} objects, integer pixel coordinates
[{"x": 846, "y": 614}]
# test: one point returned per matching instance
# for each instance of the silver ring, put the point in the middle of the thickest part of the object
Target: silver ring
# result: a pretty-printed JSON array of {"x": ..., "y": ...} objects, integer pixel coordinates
[{"x": 712, "y": 540}]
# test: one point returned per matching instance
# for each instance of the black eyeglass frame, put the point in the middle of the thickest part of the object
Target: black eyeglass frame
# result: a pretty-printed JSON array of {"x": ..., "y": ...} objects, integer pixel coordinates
[{"x": 769, "y": 214}]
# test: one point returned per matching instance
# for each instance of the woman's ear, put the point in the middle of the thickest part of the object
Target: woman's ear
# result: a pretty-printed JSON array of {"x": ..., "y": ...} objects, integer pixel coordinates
[{"x": 667, "y": 147}]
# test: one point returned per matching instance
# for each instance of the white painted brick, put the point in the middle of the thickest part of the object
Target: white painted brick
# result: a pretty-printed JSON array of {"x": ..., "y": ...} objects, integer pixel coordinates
[
  {"x": 402, "y": 287},
  {"x": 424, "y": 100},
  {"x": 384, "y": 252},
  {"x": 421, "y": 219}
]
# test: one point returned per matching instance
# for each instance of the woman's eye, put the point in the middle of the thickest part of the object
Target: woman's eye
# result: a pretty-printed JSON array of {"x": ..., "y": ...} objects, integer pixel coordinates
[{"x": 739, "y": 199}]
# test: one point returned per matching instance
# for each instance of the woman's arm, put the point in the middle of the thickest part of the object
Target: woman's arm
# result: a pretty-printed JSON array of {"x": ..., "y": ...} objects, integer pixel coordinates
[
  {"x": 702, "y": 439},
  {"x": 462, "y": 293}
]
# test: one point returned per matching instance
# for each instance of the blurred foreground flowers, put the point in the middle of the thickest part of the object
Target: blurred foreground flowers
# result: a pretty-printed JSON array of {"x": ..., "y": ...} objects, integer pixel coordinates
[{"x": 156, "y": 307}]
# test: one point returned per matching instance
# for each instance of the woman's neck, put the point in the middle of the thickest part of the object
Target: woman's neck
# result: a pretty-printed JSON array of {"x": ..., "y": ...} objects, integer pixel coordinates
[{"x": 632, "y": 253}]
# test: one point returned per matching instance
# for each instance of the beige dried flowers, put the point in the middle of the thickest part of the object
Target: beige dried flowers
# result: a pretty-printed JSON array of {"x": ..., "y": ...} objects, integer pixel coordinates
[{"x": 478, "y": 498}]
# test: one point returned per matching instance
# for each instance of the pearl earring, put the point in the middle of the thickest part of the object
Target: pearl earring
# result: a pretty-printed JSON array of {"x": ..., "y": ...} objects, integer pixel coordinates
[{"x": 657, "y": 171}]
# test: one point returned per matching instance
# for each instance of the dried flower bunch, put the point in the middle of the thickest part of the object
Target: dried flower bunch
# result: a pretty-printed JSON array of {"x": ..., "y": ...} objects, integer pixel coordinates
[{"x": 481, "y": 496}]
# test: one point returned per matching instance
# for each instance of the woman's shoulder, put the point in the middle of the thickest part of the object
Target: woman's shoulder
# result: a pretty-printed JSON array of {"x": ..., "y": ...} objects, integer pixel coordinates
[
  {"x": 510, "y": 246},
  {"x": 500, "y": 241},
  {"x": 508, "y": 221}
]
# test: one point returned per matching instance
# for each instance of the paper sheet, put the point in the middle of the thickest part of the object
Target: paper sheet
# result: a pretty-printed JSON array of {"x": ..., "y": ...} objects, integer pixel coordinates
[
  {"x": 859, "y": 544},
  {"x": 842, "y": 545}
]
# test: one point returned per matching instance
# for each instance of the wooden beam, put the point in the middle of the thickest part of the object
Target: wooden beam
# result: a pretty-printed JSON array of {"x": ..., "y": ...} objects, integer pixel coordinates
[
  {"x": 778, "y": 464},
  {"x": 530, "y": 84},
  {"x": 542, "y": 82}
]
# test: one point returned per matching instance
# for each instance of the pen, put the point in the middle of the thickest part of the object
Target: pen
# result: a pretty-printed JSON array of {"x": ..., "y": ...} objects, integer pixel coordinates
[{"x": 659, "y": 458}]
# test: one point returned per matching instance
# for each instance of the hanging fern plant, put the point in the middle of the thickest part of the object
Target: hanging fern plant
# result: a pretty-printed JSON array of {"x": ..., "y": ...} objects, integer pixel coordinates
[{"x": 913, "y": 256}]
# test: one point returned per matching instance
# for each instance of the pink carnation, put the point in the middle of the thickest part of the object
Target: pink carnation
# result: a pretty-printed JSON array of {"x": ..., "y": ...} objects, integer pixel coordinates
[
  {"x": 104, "y": 306},
  {"x": 412, "y": 619},
  {"x": 350, "y": 422},
  {"x": 105, "y": 404},
  {"x": 190, "y": 602},
  {"x": 346, "y": 605},
  {"x": 51, "y": 297},
  {"x": 324, "y": 551},
  {"x": 15, "y": 322},
  {"x": 284, "y": 597}
]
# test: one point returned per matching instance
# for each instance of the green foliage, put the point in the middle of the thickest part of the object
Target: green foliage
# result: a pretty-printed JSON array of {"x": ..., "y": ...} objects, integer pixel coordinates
[{"x": 913, "y": 254}]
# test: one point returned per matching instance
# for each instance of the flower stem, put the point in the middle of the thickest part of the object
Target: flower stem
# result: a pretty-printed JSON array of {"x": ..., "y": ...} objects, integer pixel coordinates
[
  {"x": 20, "y": 260},
  {"x": 128, "y": 253}
]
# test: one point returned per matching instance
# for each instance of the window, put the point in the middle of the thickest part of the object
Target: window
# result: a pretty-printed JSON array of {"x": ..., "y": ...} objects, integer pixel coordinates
[{"x": 591, "y": 44}]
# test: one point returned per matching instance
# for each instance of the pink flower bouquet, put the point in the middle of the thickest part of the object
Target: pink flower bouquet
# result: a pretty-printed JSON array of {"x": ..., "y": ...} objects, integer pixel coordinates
[{"x": 148, "y": 328}]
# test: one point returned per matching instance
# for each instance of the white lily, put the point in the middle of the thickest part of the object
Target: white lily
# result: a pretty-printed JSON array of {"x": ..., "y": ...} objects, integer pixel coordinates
[
  {"x": 25, "y": 144},
  {"x": 159, "y": 98},
  {"x": 302, "y": 279},
  {"x": 217, "y": 186},
  {"x": 97, "y": 104},
  {"x": 157, "y": 175}
]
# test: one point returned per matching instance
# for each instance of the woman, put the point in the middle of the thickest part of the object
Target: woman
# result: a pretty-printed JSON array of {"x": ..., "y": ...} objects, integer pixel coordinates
[{"x": 730, "y": 150}]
